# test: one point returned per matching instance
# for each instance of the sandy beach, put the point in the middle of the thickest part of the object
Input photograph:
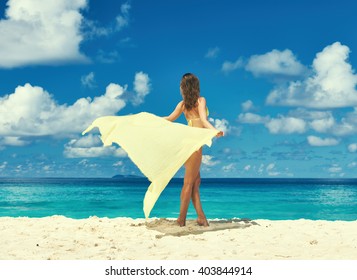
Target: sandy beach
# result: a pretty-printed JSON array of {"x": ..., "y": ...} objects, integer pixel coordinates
[{"x": 61, "y": 238}]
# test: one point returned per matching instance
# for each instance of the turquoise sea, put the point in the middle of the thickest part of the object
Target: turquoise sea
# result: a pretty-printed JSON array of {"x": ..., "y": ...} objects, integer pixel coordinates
[{"x": 275, "y": 199}]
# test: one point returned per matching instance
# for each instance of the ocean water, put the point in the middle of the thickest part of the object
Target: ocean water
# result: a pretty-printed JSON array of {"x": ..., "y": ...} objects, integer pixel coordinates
[{"x": 275, "y": 199}]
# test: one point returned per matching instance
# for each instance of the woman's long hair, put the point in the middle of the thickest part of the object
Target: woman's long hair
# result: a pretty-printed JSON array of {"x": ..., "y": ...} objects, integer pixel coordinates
[{"x": 190, "y": 89}]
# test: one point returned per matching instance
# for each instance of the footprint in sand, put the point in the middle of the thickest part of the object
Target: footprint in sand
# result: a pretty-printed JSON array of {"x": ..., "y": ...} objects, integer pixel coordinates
[{"x": 314, "y": 242}]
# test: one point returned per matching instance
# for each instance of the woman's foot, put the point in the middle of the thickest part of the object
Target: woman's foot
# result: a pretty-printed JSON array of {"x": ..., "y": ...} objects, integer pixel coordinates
[
  {"x": 202, "y": 222},
  {"x": 181, "y": 222}
]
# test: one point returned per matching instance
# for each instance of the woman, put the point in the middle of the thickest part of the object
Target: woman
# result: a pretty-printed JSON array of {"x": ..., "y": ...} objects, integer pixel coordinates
[{"x": 194, "y": 108}]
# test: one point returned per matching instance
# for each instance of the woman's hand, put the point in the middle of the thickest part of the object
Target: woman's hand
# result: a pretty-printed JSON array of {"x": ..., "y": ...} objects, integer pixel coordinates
[{"x": 220, "y": 134}]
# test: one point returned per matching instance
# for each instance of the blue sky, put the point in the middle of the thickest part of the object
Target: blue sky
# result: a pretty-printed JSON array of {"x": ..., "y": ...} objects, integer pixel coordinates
[{"x": 279, "y": 78}]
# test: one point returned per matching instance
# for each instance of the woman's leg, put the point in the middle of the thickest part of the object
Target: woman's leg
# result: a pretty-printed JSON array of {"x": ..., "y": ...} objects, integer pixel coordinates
[
  {"x": 192, "y": 166},
  {"x": 196, "y": 200}
]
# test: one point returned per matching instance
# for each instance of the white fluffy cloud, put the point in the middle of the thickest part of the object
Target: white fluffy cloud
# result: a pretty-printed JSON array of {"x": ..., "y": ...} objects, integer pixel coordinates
[
  {"x": 275, "y": 63},
  {"x": 302, "y": 120},
  {"x": 247, "y": 105},
  {"x": 90, "y": 146},
  {"x": 320, "y": 121},
  {"x": 286, "y": 125},
  {"x": 231, "y": 66},
  {"x": 209, "y": 161},
  {"x": 222, "y": 125},
  {"x": 321, "y": 142},
  {"x": 332, "y": 84},
  {"x": 280, "y": 125},
  {"x": 352, "y": 148},
  {"x": 41, "y": 32},
  {"x": 12, "y": 141},
  {"x": 347, "y": 125},
  {"x": 141, "y": 86},
  {"x": 252, "y": 118},
  {"x": 32, "y": 111},
  {"x": 335, "y": 168},
  {"x": 323, "y": 125}
]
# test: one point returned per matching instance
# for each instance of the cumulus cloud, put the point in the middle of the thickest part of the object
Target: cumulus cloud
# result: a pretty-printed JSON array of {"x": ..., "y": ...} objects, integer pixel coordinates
[
  {"x": 347, "y": 125},
  {"x": 209, "y": 161},
  {"x": 222, "y": 125},
  {"x": 252, "y": 118},
  {"x": 13, "y": 141},
  {"x": 319, "y": 121},
  {"x": 302, "y": 120},
  {"x": 32, "y": 111},
  {"x": 247, "y": 106},
  {"x": 88, "y": 80},
  {"x": 331, "y": 85},
  {"x": 321, "y": 142},
  {"x": 275, "y": 63},
  {"x": 141, "y": 87},
  {"x": 325, "y": 122},
  {"x": 231, "y": 66},
  {"x": 41, "y": 32},
  {"x": 323, "y": 125},
  {"x": 36, "y": 32},
  {"x": 293, "y": 123},
  {"x": 335, "y": 168},
  {"x": 286, "y": 125},
  {"x": 212, "y": 52},
  {"x": 344, "y": 128},
  {"x": 352, "y": 148},
  {"x": 90, "y": 146}
]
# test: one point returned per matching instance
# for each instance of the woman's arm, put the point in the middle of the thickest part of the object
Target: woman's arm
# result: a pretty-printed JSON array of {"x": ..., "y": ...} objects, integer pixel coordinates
[
  {"x": 203, "y": 116},
  {"x": 176, "y": 113}
]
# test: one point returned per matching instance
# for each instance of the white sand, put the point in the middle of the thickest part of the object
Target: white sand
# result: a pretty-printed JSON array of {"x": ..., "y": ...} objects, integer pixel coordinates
[{"x": 96, "y": 238}]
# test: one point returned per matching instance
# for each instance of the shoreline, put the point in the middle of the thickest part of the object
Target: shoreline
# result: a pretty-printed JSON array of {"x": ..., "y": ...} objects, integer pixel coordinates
[{"x": 61, "y": 238}]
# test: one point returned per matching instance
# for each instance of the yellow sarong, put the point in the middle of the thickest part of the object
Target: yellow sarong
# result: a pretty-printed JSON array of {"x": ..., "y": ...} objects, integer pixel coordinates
[{"x": 158, "y": 147}]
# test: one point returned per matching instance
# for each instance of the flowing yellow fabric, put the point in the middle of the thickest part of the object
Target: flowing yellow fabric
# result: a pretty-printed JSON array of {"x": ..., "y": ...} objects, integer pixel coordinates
[{"x": 157, "y": 146}]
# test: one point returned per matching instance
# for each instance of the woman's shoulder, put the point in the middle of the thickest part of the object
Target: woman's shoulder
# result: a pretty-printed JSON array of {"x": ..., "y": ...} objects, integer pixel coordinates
[
  {"x": 201, "y": 100},
  {"x": 181, "y": 105}
]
